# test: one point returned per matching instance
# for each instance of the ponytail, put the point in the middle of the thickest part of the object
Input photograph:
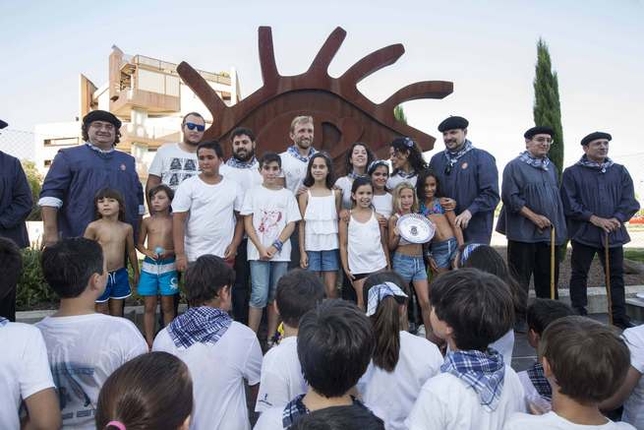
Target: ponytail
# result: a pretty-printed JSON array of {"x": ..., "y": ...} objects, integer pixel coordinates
[{"x": 386, "y": 326}]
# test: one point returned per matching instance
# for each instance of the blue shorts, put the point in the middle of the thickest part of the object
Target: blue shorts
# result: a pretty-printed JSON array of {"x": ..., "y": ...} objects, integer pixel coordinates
[
  {"x": 411, "y": 268},
  {"x": 158, "y": 277},
  {"x": 263, "y": 277},
  {"x": 118, "y": 286},
  {"x": 444, "y": 252},
  {"x": 323, "y": 261}
]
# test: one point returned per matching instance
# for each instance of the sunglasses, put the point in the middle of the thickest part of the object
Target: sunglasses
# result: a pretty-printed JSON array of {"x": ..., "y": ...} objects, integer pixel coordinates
[{"x": 192, "y": 126}]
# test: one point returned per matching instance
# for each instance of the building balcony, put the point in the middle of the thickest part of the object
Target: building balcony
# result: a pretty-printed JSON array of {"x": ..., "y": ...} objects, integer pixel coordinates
[{"x": 154, "y": 103}]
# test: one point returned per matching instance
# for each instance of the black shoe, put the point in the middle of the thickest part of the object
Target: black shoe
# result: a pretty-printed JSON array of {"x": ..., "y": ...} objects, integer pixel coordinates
[
  {"x": 623, "y": 323},
  {"x": 580, "y": 310}
]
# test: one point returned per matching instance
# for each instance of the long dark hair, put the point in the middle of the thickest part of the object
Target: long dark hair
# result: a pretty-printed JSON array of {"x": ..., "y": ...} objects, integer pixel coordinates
[
  {"x": 386, "y": 321},
  {"x": 415, "y": 155},
  {"x": 420, "y": 184},
  {"x": 348, "y": 167},
  {"x": 357, "y": 183},
  {"x": 309, "y": 181},
  {"x": 109, "y": 193}
]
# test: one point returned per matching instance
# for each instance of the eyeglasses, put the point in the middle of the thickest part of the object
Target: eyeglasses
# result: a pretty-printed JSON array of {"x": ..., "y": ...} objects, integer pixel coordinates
[
  {"x": 546, "y": 140},
  {"x": 98, "y": 125},
  {"x": 192, "y": 126}
]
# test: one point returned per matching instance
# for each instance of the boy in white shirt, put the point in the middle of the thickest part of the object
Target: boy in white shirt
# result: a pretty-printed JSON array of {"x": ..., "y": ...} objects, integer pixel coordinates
[
  {"x": 24, "y": 369},
  {"x": 219, "y": 352},
  {"x": 585, "y": 363},
  {"x": 539, "y": 315},
  {"x": 83, "y": 347},
  {"x": 298, "y": 292},
  {"x": 270, "y": 214},
  {"x": 205, "y": 211},
  {"x": 476, "y": 389}
]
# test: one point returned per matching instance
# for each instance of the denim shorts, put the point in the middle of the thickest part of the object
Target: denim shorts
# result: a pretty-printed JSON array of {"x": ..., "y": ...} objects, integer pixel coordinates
[
  {"x": 411, "y": 268},
  {"x": 263, "y": 277},
  {"x": 323, "y": 261},
  {"x": 444, "y": 252}
]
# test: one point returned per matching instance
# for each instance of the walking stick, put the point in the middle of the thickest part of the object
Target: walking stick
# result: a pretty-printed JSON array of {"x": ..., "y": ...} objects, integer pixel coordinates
[
  {"x": 552, "y": 262},
  {"x": 607, "y": 273}
]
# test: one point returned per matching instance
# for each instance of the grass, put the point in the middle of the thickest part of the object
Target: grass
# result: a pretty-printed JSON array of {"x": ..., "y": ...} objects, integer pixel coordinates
[{"x": 634, "y": 254}]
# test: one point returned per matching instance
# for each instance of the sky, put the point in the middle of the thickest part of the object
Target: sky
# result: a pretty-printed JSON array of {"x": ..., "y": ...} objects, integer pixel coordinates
[{"x": 486, "y": 48}]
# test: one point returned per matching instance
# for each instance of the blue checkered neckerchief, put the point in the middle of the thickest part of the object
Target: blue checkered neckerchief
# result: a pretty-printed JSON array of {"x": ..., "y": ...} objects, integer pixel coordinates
[
  {"x": 537, "y": 163},
  {"x": 452, "y": 157},
  {"x": 237, "y": 164},
  {"x": 353, "y": 175},
  {"x": 538, "y": 378},
  {"x": 202, "y": 324},
  {"x": 602, "y": 167},
  {"x": 483, "y": 372},
  {"x": 292, "y": 150},
  {"x": 377, "y": 293},
  {"x": 295, "y": 409},
  {"x": 3, "y": 321}
]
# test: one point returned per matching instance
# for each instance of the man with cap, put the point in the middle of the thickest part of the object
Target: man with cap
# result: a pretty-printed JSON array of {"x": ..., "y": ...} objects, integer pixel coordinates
[
  {"x": 76, "y": 174},
  {"x": 468, "y": 175},
  {"x": 532, "y": 211},
  {"x": 598, "y": 199}
]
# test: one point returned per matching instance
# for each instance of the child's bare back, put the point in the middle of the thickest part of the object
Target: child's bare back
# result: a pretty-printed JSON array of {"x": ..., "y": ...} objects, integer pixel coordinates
[{"x": 113, "y": 236}]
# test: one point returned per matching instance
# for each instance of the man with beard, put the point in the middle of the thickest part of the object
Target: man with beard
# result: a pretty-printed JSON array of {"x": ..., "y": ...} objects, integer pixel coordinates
[
  {"x": 468, "y": 175},
  {"x": 242, "y": 168},
  {"x": 294, "y": 162},
  {"x": 175, "y": 162}
]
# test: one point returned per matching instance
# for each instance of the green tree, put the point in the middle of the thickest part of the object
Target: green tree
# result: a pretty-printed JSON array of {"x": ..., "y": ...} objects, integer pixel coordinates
[
  {"x": 399, "y": 114},
  {"x": 35, "y": 183},
  {"x": 547, "y": 108}
]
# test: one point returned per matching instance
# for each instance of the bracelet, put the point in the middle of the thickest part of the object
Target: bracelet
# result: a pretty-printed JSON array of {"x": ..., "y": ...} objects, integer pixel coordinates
[{"x": 278, "y": 244}]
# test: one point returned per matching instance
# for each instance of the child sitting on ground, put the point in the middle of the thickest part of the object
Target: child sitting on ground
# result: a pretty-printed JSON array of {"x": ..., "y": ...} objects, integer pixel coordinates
[
  {"x": 116, "y": 237},
  {"x": 585, "y": 363},
  {"x": 24, "y": 369},
  {"x": 219, "y": 352},
  {"x": 541, "y": 313},
  {"x": 335, "y": 344},
  {"x": 163, "y": 399},
  {"x": 298, "y": 292},
  {"x": 83, "y": 347},
  {"x": 477, "y": 390},
  {"x": 159, "y": 270}
]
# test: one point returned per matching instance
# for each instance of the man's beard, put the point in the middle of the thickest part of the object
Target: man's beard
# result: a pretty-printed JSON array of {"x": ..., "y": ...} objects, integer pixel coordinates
[{"x": 246, "y": 157}]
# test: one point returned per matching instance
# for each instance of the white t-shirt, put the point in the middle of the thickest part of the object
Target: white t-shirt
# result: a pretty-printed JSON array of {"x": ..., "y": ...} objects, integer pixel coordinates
[
  {"x": 531, "y": 393},
  {"x": 282, "y": 378},
  {"x": 211, "y": 222},
  {"x": 391, "y": 396},
  {"x": 383, "y": 204},
  {"x": 245, "y": 178},
  {"x": 271, "y": 210},
  {"x": 271, "y": 419},
  {"x": 505, "y": 346},
  {"x": 83, "y": 351},
  {"x": 218, "y": 370},
  {"x": 395, "y": 179},
  {"x": 345, "y": 183},
  {"x": 445, "y": 402},
  {"x": 174, "y": 165},
  {"x": 294, "y": 171},
  {"x": 24, "y": 369},
  {"x": 551, "y": 420},
  {"x": 634, "y": 405}
]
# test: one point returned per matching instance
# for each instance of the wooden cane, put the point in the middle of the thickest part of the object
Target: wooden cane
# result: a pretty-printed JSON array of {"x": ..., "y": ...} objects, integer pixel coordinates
[
  {"x": 607, "y": 273},
  {"x": 552, "y": 262}
]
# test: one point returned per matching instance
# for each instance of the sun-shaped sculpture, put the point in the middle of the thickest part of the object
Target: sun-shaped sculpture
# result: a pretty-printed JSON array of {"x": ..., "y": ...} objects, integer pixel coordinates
[{"x": 342, "y": 114}]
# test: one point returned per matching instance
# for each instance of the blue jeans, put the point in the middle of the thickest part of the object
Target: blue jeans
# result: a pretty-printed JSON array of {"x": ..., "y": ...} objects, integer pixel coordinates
[
  {"x": 444, "y": 252},
  {"x": 264, "y": 276},
  {"x": 411, "y": 268}
]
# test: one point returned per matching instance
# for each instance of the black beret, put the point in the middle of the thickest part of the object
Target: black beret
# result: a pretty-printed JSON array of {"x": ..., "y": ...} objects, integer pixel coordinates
[
  {"x": 538, "y": 130},
  {"x": 594, "y": 136},
  {"x": 453, "y": 122},
  {"x": 3, "y": 124},
  {"x": 101, "y": 115}
]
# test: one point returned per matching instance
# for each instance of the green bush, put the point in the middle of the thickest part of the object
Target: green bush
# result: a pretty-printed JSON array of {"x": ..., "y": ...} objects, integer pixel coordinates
[{"x": 33, "y": 291}]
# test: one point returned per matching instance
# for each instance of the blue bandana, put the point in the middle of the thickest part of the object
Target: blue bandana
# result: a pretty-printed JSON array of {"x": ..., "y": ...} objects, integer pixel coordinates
[
  {"x": 236, "y": 164},
  {"x": 602, "y": 167},
  {"x": 467, "y": 251},
  {"x": 379, "y": 292},
  {"x": 538, "y": 378},
  {"x": 3, "y": 321},
  {"x": 292, "y": 150},
  {"x": 537, "y": 163},
  {"x": 482, "y": 372},
  {"x": 295, "y": 409},
  {"x": 202, "y": 324},
  {"x": 452, "y": 157}
]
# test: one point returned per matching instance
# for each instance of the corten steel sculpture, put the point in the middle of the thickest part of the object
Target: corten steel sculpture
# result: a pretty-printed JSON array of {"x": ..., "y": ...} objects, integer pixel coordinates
[{"x": 342, "y": 114}]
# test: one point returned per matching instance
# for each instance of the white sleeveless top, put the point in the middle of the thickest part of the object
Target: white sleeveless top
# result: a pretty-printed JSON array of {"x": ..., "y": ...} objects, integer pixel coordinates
[
  {"x": 364, "y": 247},
  {"x": 383, "y": 204},
  {"x": 321, "y": 223}
]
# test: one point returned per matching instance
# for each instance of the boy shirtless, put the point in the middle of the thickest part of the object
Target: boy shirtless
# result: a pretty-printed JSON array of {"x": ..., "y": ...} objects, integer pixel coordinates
[{"x": 116, "y": 237}]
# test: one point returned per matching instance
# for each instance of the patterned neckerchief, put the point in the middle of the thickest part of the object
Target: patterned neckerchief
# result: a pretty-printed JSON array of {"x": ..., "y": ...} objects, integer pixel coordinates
[
  {"x": 602, "y": 167},
  {"x": 452, "y": 157},
  {"x": 538, "y": 378},
  {"x": 292, "y": 150},
  {"x": 404, "y": 174},
  {"x": 295, "y": 409},
  {"x": 483, "y": 372},
  {"x": 202, "y": 324},
  {"x": 3, "y": 321},
  {"x": 99, "y": 150},
  {"x": 537, "y": 163},
  {"x": 354, "y": 175},
  {"x": 237, "y": 164}
]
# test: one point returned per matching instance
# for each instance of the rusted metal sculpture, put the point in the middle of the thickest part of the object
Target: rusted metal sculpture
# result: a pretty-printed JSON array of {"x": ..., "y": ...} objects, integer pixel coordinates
[{"x": 341, "y": 113}]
